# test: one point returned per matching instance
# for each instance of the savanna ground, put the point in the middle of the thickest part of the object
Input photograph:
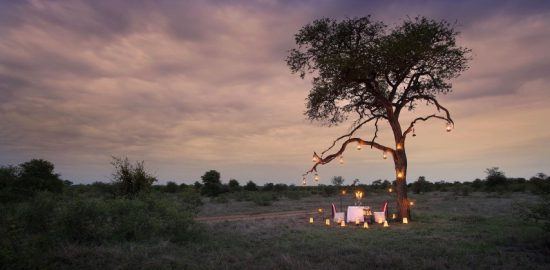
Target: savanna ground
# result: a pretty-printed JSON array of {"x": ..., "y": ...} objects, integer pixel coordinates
[{"x": 89, "y": 227}]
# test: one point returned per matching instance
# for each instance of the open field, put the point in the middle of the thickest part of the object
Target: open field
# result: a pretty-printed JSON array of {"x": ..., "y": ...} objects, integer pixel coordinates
[{"x": 481, "y": 230}]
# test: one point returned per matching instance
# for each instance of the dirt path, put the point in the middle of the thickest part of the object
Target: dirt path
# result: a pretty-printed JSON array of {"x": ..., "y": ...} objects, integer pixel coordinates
[{"x": 285, "y": 214}]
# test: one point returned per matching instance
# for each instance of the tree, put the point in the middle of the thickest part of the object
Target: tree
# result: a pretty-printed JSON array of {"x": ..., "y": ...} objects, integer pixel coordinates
[
  {"x": 364, "y": 70},
  {"x": 495, "y": 177},
  {"x": 234, "y": 185},
  {"x": 38, "y": 174},
  {"x": 131, "y": 179},
  {"x": 337, "y": 180},
  {"x": 251, "y": 186},
  {"x": 212, "y": 184},
  {"x": 421, "y": 185},
  {"x": 172, "y": 187}
]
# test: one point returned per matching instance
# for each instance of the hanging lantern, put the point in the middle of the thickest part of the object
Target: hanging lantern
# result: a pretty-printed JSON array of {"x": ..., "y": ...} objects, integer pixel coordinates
[
  {"x": 315, "y": 159},
  {"x": 390, "y": 190},
  {"x": 399, "y": 175},
  {"x": 316, "y": 178},
  {"x": 399, "y": 146},
  {"x": 385, "y": 155},
  {"x": 414, "y": 133},
  {"x": 411, "y": 203},
  {"x": 358, "y": 145},
  {"x": 341, "y": 160},
  {"x": 449, "y": 127}
]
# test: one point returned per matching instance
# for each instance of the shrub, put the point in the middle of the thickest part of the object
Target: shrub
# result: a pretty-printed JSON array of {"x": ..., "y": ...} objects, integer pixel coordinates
[
  {"x": 234, "y": 185},
  {"x": 495, "y": 177},
  {"x": 212, "y": 184},
  {"x": 131, "y": 179},
  {"x": 262, "y": 199},
  {"x": 251, "y": 186},
  {"x": 171, "y": 187}
]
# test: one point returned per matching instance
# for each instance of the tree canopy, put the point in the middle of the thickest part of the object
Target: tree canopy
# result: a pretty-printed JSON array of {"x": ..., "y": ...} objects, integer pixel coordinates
[{"x": 362, "y": 66}]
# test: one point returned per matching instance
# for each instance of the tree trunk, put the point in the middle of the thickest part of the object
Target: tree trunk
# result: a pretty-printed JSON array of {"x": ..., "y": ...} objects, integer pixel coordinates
[{"x": 400, "y": 160}]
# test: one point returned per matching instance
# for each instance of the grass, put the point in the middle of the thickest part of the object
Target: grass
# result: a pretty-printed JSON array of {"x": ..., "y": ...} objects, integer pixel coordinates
[{"x": 447, "y": 231}]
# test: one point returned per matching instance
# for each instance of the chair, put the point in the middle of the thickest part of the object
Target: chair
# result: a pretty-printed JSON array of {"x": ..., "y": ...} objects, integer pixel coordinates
[
  {"x": 380, "y": 217},
  {"x": 337, "y": 216}
]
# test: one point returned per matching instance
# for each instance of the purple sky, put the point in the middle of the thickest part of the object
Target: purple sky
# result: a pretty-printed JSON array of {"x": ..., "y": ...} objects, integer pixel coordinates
[{"x": 190, "y": 86}]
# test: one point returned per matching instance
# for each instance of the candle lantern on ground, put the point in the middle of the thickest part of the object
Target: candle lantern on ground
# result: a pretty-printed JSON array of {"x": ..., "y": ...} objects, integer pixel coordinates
[
  {"x": 405, "y": 220},
  {"x": 311, "y": 220},
  {"x": 327, "y": 222},
  {"x": 386, "y": 223},
  {"x": 365, "y": 225}
]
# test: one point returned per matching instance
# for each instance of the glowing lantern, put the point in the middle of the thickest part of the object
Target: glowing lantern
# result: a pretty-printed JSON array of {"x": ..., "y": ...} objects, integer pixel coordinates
[
  {"x": 449, "y": 127},
  {"x": 365, "y": 225},
  {"x": 359, "y": 195},
  {"x": 315, "y": 159},
  {"x": 411, "y": 203},
  {"x": 390, "y": 190},
  {"x": 327, "y": 222},
  {"x": 342, "y": 224},
  {"x": 304, "y": 182},
  {"x": 343, "y": 192},
  {"x": 399, "y": 175},
  {"x": 393, "y": 216},
  {"x": 316, "y": 177},
  {"x": 385, "y": 155},
  {"x": 399, "y": 146},
  {"x": 359, "y": 146},
  {"x": 341, "y": 160},
  {"x": 386, "y": 223},
  {"x": 311, "y": 220},
  {"x": 405, "y": 220},
  {"x": 356, "y": 221},
  {"x": 320, "y": 210}
]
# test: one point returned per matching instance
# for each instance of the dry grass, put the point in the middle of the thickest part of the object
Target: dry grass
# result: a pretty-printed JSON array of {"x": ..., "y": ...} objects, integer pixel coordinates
[{"x": 448, "y": 231}]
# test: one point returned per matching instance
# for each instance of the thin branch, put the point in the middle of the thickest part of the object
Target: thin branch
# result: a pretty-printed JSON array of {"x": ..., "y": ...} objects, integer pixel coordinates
[
  {"x": 375, "y": 132},
  {"x": 411, "y": 126},
  {"x": 329, "y": 158},
  {"x": 350, "y": 133}
]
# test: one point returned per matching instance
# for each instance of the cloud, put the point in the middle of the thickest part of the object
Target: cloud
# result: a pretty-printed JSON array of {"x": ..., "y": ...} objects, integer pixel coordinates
[{"x": 191, "y": 86}]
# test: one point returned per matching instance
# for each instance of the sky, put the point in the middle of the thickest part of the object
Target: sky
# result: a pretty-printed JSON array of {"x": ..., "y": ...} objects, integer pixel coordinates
[{"x": 190, "y": 86}]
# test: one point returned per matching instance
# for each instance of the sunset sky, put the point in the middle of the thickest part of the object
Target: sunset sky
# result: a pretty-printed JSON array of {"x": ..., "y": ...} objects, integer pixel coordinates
[{"x": 190, "y": 86}]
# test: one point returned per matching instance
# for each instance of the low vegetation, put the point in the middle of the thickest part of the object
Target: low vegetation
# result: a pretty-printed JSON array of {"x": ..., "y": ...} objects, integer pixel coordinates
[{"x": 130, "y": 223}]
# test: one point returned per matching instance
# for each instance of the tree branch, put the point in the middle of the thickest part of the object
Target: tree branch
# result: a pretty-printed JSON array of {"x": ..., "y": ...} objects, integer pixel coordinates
[{"x": 329, "y": 158}]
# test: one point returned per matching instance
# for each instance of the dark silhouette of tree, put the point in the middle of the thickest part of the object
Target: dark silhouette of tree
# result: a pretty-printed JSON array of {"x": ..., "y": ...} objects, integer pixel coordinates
[
  {"x": 495, "y": 177},
  {"x": 212, "y": 184},
  {"x": 366, "y": 71},
  {"x": 251, "y": 186},
  {"x": 172, "y": 187},
  {"x": 337, "y": 180},
  {"x": 131, "y": 179},
  {"x": 234, "y": 185}
]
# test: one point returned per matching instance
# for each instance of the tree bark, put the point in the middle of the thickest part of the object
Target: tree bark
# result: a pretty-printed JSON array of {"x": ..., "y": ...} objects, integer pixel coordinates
[{"x": 403, "y": 205}]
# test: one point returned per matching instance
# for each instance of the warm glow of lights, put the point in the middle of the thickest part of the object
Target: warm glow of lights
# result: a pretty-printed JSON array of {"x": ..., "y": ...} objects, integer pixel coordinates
[
  {"x": 311, "y": 220},
  {"x": 449, "y": 127},
  {"x": 365, "y": 225},
  {"x": 405, "y": 220},
  {"x": 356, "y": 221},
  {"x": 320, "y": 210},
  {"x": 386, "y": 223},
  {"x": 359, "y": 195},
  {"x": 399, "y": 146},
  {"x": 385, "y": 155},
  {"x": 399, "y": 175},
  {"x": 411, "y": 203},
  {"x": 359, "y": 146},
  {"x": 393, "y": 216},
  {"x": 304, "y": 182},
  {"x": 327, "y": 222},
  {"x": 390, "y": 190},
  {"x": 343, "y": 192},
  {"x": 342, "y": 223},
  {"x": 341, "y": 160},
  {"x": 316, "y": 177},
  {"x": 315, "y": 159}
]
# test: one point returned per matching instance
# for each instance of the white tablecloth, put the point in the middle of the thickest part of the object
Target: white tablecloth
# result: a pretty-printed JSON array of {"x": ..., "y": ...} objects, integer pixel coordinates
[{"x": 355, "y": 213}]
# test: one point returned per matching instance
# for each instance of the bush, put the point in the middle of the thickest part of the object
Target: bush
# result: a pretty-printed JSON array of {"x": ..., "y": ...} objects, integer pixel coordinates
[
  {"x": 234, "y": 185},
  {"x": 212, "y": 184},
  {"x": 251, "y": 186},
  {"x": 262, "y": 199},
  {"x": 495, "y": 177},
  {"x": 171, "y": 187},
  {"x": 129, "y": 179}
]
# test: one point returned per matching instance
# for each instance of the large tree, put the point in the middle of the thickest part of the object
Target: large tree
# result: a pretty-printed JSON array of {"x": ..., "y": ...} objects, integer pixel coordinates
[{"x": 366, "y": 72}]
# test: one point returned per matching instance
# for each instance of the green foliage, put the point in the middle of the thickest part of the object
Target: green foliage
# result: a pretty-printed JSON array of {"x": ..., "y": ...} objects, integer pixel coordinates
[
  {"x": 171, "y": 187},
  {"x": 251, "y": 186},
  {"x": 262, "y": 199},
  {"x": 234, "y": 185},
  {"x": 360, "y": 64},
  {"x": 212, "y": 185},
  {"x": 129, "y": 179},
  {"x": 22, "y": 182}
]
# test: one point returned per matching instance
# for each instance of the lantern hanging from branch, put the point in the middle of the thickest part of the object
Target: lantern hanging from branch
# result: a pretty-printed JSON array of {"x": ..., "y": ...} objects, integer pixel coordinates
[
  {"x": 341, "y": 159},
  {"x": 385, "y": 155},
  {"x": 449, "y": 127},
  {"x": 316, "y": 178},
  {"x": 358, "y": 146}
]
